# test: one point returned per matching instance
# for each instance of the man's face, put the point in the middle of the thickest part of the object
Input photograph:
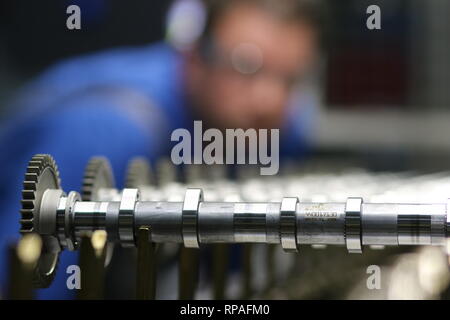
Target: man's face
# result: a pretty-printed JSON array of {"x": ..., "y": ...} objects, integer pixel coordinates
[{"x": 256, "y": 59}]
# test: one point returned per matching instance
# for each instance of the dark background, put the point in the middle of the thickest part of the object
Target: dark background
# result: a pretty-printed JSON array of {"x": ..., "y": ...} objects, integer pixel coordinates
[{"x": 363, "y": 68}]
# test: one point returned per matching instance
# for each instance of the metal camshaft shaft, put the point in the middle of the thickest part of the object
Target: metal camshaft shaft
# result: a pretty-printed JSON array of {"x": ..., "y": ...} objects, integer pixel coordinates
[
  {"x": 64, "y": 219},
  {"x": 290, "y": 222}
]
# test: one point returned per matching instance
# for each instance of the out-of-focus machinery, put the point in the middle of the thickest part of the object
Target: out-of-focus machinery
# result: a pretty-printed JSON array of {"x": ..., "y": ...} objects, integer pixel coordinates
[{"x": 300, "y": 209}]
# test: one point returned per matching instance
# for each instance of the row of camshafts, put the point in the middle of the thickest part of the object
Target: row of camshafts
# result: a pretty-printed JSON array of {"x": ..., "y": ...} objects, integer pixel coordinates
[{"x": 170, "y": 271}]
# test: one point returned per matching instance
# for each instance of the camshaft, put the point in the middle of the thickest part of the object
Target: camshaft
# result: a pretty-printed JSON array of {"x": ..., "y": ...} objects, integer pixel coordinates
[
  {"x": 182, "y": 215},
  {"x": 289, "y": 222}
]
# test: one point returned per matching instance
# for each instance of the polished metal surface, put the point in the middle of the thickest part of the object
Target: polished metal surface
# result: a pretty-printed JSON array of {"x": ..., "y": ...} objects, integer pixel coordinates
[
  {"x": 288, "y": 225},
  {"x": 194, "y": 222},
  {"x": 353, "y": 208},
  {"x": 189, "y": 217},
  {"x": 126, "y": 216}
]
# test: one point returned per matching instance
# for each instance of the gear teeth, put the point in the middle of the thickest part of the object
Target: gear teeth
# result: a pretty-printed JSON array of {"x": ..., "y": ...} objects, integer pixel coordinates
[
  {"x": 27, "y": 204},
  {"x": 139, "y": 173},
  {"x": 27, "y": 220},
  {"x": 95, "y": 167},
  {"x": 26, "y": 214},
  {"x": 27, "y": 225},
  {"x": 28, "y": 194},
  {"x": 29, "y": 185},
  {"x": 31, "y": 177},
  {"x": 35, "y": 168}
]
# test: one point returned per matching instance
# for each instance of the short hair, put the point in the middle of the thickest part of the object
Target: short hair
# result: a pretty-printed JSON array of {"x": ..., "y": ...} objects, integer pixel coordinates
[{"x": 309, "y": 12}]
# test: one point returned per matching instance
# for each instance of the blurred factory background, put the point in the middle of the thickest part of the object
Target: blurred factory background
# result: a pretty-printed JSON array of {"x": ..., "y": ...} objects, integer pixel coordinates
[
  {"x": 389, "y": 85},
  {"x": 381, "y": 102}
]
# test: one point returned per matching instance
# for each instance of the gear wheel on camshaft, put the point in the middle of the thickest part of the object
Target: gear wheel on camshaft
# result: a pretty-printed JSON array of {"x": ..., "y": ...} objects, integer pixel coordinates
[
  {"x": 97, "y": 175},
  {"x": 139, "y": 173},
  {"x": 42, "y": 174}
]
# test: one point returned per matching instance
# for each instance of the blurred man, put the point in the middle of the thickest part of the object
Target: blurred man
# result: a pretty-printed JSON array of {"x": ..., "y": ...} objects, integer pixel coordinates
[
  {"x": 248, "y": 60},
  {"x": 126, "y": 102}
]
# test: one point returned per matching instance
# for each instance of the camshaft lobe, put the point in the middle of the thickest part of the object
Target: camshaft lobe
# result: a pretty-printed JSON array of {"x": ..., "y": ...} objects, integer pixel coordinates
[{"x": 289, "y": 222}]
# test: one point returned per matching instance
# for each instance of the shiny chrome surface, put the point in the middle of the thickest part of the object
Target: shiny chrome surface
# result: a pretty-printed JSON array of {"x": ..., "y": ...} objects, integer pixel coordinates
[{"x": 290, "y": 223}]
